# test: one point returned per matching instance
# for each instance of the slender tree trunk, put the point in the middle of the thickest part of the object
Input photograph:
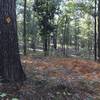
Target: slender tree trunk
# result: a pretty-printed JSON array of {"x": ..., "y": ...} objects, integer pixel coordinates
[
  {"x": 68, "y": 38},
  {"x": 33, "y": 43},
  {"x": 63, "y": 43},
  {"x": 99, "y": 31},
  {"x": 9, "y": 52},
  {"x": 45, "y": 45},
  {"x": 24, "y": 34},
  {"x": 55, "y": 40},
  {"x": 76, "y": 35},
  {"x": 48, "y": 44},
  {"x": 76, "y": 42},
  {"x": 95, "y": 35},
  {"x": 89, "y": 49}
]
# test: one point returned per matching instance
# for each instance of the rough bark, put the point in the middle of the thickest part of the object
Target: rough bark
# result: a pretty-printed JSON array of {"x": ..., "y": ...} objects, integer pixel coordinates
[{"x": 9, "y": 53}]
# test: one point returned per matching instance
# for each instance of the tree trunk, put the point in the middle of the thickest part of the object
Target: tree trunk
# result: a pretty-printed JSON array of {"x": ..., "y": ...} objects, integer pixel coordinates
[
  {"x": 95, "y": 35},
  {"x": 55, "y": 40},
  {"x": 99, "y": 30},
  {"x": 33, "y": 44},
  {"x": 45, "y": 45},
  {"x": 24, "y": 33},
  {"x": 9, "y": 52}
]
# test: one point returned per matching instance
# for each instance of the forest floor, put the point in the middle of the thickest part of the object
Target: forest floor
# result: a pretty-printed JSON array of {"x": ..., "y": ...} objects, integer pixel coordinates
[{"x": 52, "y": 78}]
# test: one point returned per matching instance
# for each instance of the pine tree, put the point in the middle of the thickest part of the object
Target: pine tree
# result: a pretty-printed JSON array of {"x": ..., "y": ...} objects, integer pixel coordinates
[{"x": 10, "y": 65}]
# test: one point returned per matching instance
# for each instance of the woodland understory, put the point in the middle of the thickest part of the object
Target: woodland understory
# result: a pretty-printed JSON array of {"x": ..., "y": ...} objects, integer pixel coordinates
[
  {"x": 51, "y": 78},
  {"x": 50, "y": 50}
]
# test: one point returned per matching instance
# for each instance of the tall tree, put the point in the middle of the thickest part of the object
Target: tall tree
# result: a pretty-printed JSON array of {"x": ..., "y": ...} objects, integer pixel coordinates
[
  {"x": 10, "y": 64},
  {"x": 95, "y": 35},
  {"x": 46, "y": 10},
  {"x": 98, "y": 30},
  {"x": 24, "y": 32}
]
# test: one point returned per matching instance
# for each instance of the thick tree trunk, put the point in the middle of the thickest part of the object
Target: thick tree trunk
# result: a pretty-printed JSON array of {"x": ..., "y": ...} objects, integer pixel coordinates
[{"x": 9, "y": 53}]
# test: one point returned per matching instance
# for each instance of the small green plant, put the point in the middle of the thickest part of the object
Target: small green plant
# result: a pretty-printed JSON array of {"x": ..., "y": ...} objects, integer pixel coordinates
[
  {"x": 3, "y": 95},
  {"x": 15, "y": 99}
]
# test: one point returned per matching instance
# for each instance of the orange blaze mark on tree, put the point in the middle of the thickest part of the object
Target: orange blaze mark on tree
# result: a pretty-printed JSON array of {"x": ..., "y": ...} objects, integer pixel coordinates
[{"x": 8, "y": 19}]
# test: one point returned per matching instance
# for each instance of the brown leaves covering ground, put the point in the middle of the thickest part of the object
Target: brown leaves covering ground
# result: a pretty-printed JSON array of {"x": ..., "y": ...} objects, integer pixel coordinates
[
  {"x": 87, "y": 69},
  {"x": 66, "y": 79}
]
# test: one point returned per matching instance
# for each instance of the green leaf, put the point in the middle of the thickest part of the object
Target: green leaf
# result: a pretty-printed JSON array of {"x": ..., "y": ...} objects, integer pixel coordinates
[
  {"x": 15, "y": 99},
  {"x": 3, "y": 95}
]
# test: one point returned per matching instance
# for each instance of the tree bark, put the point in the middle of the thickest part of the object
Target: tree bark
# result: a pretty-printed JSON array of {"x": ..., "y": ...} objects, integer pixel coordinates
[
  {"x": 55, "y": 40},
  {"x": 99, "y": 30},
  {"x": 24, "y": 34},
  {"x": 45, "y": 45},
  {"x": 10, "y": 64},
  {"x": 95, "y": 34}
]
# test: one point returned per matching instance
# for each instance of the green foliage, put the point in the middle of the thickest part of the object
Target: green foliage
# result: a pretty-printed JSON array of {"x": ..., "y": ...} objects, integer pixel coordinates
[
  {"x": 3, "y": 95},
  {"x": 15, "y": 99},
  {"x": 70, "y": 20},
  {"x": 45, "y": 10}
]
